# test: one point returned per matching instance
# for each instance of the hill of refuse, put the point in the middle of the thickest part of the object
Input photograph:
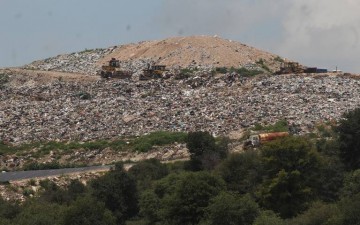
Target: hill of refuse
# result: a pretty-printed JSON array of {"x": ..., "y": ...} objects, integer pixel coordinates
[
  {"x": 59, "y": 99},
  {"x": 202, "y": 52},
  {"x": 77, "y": 110}
]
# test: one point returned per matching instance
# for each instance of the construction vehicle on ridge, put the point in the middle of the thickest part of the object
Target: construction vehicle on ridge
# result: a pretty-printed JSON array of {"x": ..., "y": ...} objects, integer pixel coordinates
[
  {"x": 153, "y": 72},
  {"x": 290, "y": 67},
  {"x": 112, "y": 70},
  {"x": 262, "y": 138}
]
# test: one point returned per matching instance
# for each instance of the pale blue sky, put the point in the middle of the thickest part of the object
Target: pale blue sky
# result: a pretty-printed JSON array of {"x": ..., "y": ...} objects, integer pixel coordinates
[{"x": 321, "y": 33}]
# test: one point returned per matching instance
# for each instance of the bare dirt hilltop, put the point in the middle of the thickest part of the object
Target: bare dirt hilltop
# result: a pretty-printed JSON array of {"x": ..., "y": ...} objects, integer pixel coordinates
[
  {"x": 177, "y": 52},
  {"x": 193, "y": 50}
]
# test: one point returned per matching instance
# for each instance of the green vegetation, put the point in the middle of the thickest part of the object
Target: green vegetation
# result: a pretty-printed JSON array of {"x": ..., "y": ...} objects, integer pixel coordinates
[
  {"x": 83, "y": 95},
  {"x": 4, "y": 78},
  {"x": 231, "y": 209},
  {"x": 297, "y": 180},
  {"x": 8, "y": 149},
  {"x": 117, "y": 190},
  {"x": 147, "y": 171},
  {"x": 87, "y": 210},
  {"x": 261, "y": 63},
  {"x": 222, "y": 70},
  {"x": 44, "y": 148},
  {"x": 245, "y": 72},
  {"x": 349, "y": 139},
  {"x": 291, "y": 166},
  {"x": 87, "y": 51},
  {"x": 325, "y": 131},
  {"x": 142, "y": 144},
  {"x": 268, "y": 217},
  {"x": 4, "y": 148},
  {"x": 27, "y": 192},
  {"x": 279, "y": 59},
  {"x": 181, "y": 198},
  {"x": 242, "y": 71},
  {"x": 146, "y": 142},
  {"x": 185, "y": 73},
  {"x": 205, "y": 151},
  {"x": 242, "y": 172}
]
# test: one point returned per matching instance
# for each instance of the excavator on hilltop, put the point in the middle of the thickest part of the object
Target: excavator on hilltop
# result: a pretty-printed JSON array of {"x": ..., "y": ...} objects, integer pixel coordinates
[
  {"x": 112, "y": 70},
  {"x": 153, "y": 72},
  {"x": 288, "y": 67}
]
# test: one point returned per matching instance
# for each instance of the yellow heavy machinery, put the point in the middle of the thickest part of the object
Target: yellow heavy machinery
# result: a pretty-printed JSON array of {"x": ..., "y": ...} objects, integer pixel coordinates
[
  {"x": 153, "y": 72},
  {"x": 112, "y": 70},
  {"x": 290, "y": 67}
]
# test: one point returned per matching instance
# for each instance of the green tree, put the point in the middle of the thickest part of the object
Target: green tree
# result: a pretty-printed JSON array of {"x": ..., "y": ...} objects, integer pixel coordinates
[
  {"x": 8, "y": 210},
  {"x": 349, "y": 211},
  {"x": 349, "y": 138},
  {"x": 75, "y": 189},
  {"x": 149, "y": 206},
  {"x": 351, "y": 184},
  {"x": 318, "y": 214},
  {"x": 242, "y": 171},
  {"x": 119, "y": 193},
  {"x": 331, "y": 178},
  {"x": 291, "y": 169},
  {"x": 332, "y": 170},
  {"x": 36, "y": 212},
  {"x": 205, "y": 152},
  {"x": 88, "y": 211},
  {"x": 268, "y": 217},
  {"x": 53, "y": 193},
  {"x": 4, "y": 221},
  {"x": 231, "y": 209},
  {"x": 145, "y": 172},
  {"x": 184, "y": 197}
]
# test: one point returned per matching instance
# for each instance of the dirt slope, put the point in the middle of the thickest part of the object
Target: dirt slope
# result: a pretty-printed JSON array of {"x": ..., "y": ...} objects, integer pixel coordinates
[{"x": 193, "y": 50}]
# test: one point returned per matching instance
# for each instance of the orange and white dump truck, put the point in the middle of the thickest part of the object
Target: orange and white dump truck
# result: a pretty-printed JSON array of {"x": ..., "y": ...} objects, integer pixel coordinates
[{"x": 259, "y": 139}]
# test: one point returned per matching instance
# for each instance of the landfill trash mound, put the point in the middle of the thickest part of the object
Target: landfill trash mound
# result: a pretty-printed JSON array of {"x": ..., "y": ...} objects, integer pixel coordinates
[
  {"x": 177, "y": 52},
  {"x": 63, "y": 110},
  {"x": 78, "y": 62},
  {"x": 60, "y": 99}
]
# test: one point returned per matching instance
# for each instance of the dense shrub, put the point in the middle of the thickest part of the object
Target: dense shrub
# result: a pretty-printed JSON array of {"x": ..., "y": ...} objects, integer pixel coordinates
[
  {"x": 349, "y": 139},
  {"x": 119, "y": 193},
  {"x": 205, "y": 151},
  {"x": 231, "y": 209},
  {"x": 181, "y": 198},
  {"x": 147, "y": 171},
  {"x": 242, "y": 171},
  {"x": 291, "y": 172},
  {"x": 146, "y": 142}
]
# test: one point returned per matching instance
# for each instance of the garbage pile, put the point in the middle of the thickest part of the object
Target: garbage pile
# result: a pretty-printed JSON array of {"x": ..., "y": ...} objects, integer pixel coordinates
[
  {"x": 62, "y": 110},
  {"x": 200, "y": 52},
  {"x": 77, "y": 62}
]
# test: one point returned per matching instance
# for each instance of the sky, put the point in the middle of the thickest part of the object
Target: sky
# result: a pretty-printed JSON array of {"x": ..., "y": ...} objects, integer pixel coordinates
[{"x": 321, "y": 33}]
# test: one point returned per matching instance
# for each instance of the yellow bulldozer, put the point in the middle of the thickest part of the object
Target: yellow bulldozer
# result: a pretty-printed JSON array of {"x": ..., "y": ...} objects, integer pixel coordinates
[
  {"x": 290, "y": 67},
  {"x": 153, "y": 72},
  {"x": 112, "y": 70}
]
